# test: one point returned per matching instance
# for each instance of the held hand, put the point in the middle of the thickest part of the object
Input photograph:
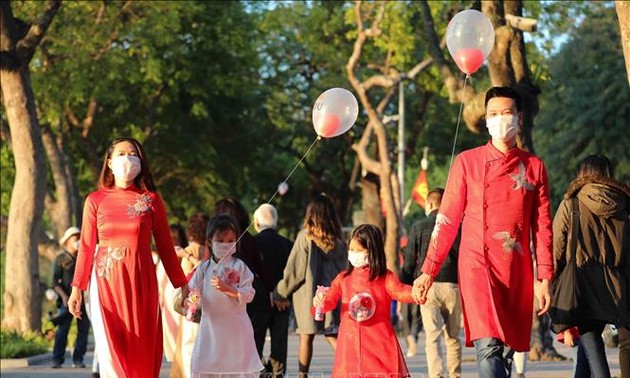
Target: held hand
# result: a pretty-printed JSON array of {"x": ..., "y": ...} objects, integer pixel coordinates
[
  {"x": 568, "y": 339},
  {"x": 282, "y": 305},
  {"x": 421, "y": 287},
  {"x": 64, "y": 300},
  {"x": 180, "y": 252},
  {"x": 318, "y": 299},
  {"x": 185, "y": 291},
  {"x": 74, "y": 303},
  {"x": 544, "y": 297},
  {"x": 223, "y": 286}
]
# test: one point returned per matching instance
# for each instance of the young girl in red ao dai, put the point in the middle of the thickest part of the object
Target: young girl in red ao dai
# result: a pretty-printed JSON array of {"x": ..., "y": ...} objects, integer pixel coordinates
[{"x": 367, "y": 343}]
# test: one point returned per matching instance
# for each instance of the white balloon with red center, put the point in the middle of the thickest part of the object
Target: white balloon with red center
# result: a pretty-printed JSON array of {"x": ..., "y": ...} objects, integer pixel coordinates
[
  {"x": 335, "y": 112},
  {"x": 469, "y": 38}
]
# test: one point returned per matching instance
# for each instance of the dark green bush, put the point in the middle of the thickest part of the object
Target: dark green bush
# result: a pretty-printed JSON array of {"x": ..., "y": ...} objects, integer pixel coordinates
[{"x": 16, "y": 345}]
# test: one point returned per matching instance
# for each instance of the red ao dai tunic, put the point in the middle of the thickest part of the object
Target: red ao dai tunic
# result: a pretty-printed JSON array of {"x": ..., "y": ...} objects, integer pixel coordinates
[{"x": 502, "y": 203}]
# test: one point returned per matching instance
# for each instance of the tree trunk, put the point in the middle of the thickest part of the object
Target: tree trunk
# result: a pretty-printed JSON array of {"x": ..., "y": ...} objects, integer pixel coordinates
[
  {"x": 22, "y": 305},
  {"x": 22, "y": 295},
  {"x": 371, "y": 201},
  {"x": 623, "y": 14},
  {"x": 59, "y": 206}
]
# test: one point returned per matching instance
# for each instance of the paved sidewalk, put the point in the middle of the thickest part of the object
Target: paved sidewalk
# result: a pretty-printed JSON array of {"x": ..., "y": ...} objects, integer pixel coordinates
[{"x": 321, "y": 365}]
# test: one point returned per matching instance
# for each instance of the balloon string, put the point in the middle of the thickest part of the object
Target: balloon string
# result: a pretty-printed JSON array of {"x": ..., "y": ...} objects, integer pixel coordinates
[
  {"x": 294, "y": 168},
  {"x": 459, "y": 117},
  {"x": 275, "y": 194}
]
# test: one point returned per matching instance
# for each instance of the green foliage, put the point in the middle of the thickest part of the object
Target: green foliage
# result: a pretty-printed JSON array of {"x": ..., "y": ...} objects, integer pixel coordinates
[
  {"x": 7, "y": 177},
  {"x": 585, "y": 107},
  {"x": 15, "y": 345},
  {"x": 220, "y": 93}
]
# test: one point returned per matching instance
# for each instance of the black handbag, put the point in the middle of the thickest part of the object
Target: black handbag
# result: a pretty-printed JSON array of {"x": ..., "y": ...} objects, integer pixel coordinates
[{"x": 565, "y": 309}]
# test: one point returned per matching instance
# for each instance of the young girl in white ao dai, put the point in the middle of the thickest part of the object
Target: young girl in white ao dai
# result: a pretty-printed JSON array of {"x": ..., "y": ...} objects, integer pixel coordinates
[{"x": 225, "y": 344}]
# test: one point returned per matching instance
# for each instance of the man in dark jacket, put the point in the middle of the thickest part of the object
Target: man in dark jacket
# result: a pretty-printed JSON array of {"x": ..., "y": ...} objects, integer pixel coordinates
[
  {"x": 275, "y": 250},
  {"x": 443, "y": 306},
  {"x": 63, "y": 273}
]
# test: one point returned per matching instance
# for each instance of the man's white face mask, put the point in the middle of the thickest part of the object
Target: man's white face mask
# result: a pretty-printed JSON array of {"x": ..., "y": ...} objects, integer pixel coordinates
[{"x": 502, "y": 127}]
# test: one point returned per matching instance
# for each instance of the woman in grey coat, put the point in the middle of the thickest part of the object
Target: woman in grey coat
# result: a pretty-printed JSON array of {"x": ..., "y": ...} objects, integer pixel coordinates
[{"x": 318, "y": 255}]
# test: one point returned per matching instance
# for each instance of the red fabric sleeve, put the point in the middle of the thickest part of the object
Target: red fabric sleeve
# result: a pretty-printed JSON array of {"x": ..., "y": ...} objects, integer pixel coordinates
[
  {"x": 164, "y": 244},
  {"x": 398, "y": 290},
  {"x": 89, "y": 240},
  {"x": 541, "y": 227},
  {"x": 448, "y": 220}
]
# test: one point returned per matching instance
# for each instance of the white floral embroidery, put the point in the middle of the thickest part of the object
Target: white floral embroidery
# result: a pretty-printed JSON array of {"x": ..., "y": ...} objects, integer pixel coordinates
[
  {"x": 107, "y": 261},
  {"x": 509, "y": 243},
  {"x": 520, "y": 180},
  {"x": 440, "y": 221},
  {"x": 140, "y": 206}
]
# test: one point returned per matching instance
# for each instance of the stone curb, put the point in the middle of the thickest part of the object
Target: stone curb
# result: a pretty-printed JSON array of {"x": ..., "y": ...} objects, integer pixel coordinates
[{"x": 25, "y": 362}]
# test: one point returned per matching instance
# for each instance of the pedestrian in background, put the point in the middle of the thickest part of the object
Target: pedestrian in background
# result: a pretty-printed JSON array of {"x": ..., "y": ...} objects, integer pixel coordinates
[
  {"x": 275, "y": 250},
  {"x": 442, "y": 312},
  {"x": 63, "y": 273},
  {"x": 318, "y": 255},
  {"x": 602, "y": 254}
]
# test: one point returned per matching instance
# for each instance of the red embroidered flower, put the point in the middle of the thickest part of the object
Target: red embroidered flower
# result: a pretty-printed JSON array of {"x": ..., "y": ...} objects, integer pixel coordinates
[
  {"x": 231, "y": 276},
  {"x": 141, "y": 205},
  {"x": 366, "y": 303}
]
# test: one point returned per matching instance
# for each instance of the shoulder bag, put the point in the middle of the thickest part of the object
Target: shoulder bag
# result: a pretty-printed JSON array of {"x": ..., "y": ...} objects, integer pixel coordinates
[{"x": 564, "y": 311}]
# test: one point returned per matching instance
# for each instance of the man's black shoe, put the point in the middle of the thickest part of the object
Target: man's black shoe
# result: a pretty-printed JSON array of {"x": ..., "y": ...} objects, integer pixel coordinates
[{"x": 56, "y": 366}]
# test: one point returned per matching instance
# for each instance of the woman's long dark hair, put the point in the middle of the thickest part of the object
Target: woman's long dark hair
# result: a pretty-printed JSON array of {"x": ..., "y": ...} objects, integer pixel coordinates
[
  {"x": 598, "y": 165},
  {"x": 144, "y": 180},
  {"x": 322, "y": 222},
  {"x": 371, "y": 238}
]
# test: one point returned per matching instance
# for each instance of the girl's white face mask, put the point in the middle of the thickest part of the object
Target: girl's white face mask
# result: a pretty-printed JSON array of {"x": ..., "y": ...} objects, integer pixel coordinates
[
  {"x": 502, "y": 127},
  {"x": 126, "y": 167},
  {"x": 221, "y": 250},
  {"x": 358, "y": 259}
]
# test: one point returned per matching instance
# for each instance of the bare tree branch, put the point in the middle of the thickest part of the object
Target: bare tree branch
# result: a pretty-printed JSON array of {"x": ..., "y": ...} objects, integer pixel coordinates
[
  {"x": 88, "y": 121},
  {"x": 522, "y": 23},
  {"x": 450, "y": 81},
  {"x": 25, "y": 47}
]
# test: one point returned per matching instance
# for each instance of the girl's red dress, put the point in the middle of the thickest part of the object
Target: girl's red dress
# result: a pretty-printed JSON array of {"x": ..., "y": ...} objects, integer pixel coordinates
[
  {"x": 116, "y": 242},
  {"x": 370, "y": 347}
]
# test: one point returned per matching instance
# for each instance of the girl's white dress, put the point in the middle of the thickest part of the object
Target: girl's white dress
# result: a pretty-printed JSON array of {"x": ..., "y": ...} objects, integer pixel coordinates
[{"x": 225, "y": 344}]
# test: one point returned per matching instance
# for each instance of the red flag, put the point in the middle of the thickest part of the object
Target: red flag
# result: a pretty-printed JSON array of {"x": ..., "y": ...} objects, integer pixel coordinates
[{"x": 420, "y": 188}]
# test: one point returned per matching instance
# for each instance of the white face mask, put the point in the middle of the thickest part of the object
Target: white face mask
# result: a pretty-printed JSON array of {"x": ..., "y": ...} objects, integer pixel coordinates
[
  {"x": 76, "y": 245},
  {"x": 221, "y": 250},
  {"x": 502, "y": 127},
  {"x": 358, "y": 259},
  {"x": 126, "y": 167}
]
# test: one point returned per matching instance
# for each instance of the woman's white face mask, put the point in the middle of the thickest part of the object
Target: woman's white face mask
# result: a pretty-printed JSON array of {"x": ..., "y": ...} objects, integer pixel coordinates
[
  {"x": 502, "y": 127},
  {"x": 358, "y": 259},
  {"x": 126, "y": 167}
]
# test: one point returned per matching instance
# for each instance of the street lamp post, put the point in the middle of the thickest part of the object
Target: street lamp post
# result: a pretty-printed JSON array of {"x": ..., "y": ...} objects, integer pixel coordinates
[{"x": 401, "y": 141}]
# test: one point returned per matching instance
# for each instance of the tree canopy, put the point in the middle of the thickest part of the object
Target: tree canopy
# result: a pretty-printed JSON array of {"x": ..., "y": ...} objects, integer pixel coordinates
[{"x": 220, "y": 94}]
